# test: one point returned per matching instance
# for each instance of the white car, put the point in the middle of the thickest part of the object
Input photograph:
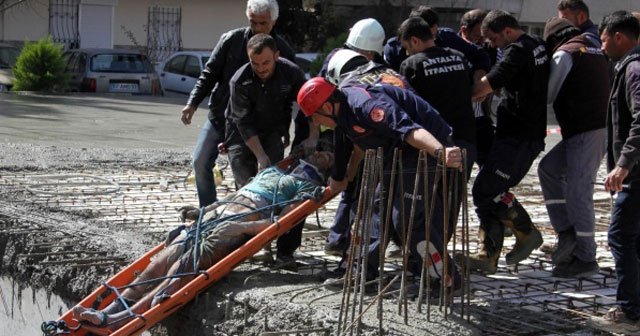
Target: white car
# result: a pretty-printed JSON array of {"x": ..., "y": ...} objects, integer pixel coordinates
[
  {"x": 8, "y": 56},
  {"x": 180, "y": 72}
]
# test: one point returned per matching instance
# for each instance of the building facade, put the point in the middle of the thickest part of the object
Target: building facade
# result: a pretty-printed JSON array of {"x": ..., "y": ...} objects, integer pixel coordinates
[{"x": 161, "y": 27}]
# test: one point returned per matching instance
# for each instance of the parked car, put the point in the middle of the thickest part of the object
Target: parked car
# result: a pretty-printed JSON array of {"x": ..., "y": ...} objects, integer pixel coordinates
[
  {"x": 304, "y": 60},
  {"x": 8, "y": 56},
  {"x": 111, "y": 70},
  {"x": 181, "y": 70}
]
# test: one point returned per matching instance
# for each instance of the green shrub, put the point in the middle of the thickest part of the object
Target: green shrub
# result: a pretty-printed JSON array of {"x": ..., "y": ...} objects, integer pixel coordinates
[
  {"x": 40, "y": 67},
  {"x": 332, "y": 43}
]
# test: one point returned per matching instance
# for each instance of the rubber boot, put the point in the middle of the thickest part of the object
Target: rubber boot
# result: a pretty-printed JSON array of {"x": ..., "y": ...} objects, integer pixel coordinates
[
  {"x": 491, "y": 238},
  {"x": 528, "y": 238}
]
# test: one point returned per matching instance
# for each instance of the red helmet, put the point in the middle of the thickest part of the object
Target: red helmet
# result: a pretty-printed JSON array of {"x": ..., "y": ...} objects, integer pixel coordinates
[{"x": 313, "y": 94}]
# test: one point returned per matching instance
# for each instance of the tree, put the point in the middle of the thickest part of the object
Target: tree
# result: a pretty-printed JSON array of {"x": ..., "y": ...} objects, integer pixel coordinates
[{"x": 40, "y": 67}]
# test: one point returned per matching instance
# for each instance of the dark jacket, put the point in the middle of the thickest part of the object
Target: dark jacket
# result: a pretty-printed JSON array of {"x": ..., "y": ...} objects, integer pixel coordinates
[
  {"x": 394, "y": 54},
  {"x": 227, "y": 57},
  {"x": 581, "y": 103},
  {"x": 441, "y": 76},
  {"x": 523, "y": 74},
  {"x": 623, "y": 119},
  {"x": 261, "y": 108}
]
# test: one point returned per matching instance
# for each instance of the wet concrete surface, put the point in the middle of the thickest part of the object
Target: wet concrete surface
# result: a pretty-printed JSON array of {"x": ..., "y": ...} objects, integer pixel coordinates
[
  {"x": 107, "y": 121},
  {"x": 140, "y": 144}
]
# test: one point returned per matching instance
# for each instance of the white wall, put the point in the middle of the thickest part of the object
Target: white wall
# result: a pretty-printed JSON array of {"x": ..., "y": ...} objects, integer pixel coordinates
[
  {"x": 96, "y": 26},
  {"x": 203, "y": 21},
  {"x": 27, "y": 21}
]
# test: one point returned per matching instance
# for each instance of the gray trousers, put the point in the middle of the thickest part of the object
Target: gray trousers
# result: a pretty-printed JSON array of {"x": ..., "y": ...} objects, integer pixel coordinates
[{"x": 567, "y": 174}]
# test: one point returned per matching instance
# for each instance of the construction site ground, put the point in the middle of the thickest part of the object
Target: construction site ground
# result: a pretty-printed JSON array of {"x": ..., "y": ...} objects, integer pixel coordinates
[{"x": 88, "y": 184}]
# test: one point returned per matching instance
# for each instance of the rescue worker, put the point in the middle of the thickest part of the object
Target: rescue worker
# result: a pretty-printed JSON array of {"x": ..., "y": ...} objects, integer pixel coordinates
[
  {"x": 394, "y": 54},
  {"x": 346, "y": 68},
  {"x": 228, "y": 56},
  {"x": 441, "y": 76},
  {"x": 366, "y": 38},
  {"x": 387, "y": 116},
  {"x": 258, "y": 119},
  {"x": 523, "y": 74},
  {"x": 579, "y": 91}
]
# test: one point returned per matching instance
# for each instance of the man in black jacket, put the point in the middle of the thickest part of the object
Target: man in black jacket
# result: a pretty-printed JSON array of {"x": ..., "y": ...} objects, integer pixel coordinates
[
  {"x": 523, "y": 74},
  {"x": 259, "y": 110},
  {"x": 619, "y": 33},
  {"x": 228, "y": 56},
  {"x": 258, "y": 119}
]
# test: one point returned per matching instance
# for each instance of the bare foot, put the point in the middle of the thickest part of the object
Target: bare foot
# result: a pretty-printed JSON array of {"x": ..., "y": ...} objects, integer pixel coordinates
[{"x": 92, "y": 316}]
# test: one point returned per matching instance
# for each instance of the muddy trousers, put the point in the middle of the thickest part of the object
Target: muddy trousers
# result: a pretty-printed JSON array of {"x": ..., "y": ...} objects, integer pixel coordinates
[
  {"x": 567, "y": 174},
  {"x": 624, "y": 241},
  {"x": 508, "y": 162}
]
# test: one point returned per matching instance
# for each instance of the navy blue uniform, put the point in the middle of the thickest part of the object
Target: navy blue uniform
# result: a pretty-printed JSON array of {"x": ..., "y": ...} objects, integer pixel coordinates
[
  {"x": 383, "y": 116},
  {"x": 394, "y": 54},
  {"x": 370, "y": 73}
]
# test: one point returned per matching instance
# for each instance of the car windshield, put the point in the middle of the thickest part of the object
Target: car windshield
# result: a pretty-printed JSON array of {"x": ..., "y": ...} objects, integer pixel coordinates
[
  {"x": 8, "y": 56},
  {"x": 133, "y": 63}
]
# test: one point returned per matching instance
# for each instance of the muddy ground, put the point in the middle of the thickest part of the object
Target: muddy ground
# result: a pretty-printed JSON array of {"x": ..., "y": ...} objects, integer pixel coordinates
[
  {"x": 21, "y": 237},
  {"x": 64, "y": 229}
]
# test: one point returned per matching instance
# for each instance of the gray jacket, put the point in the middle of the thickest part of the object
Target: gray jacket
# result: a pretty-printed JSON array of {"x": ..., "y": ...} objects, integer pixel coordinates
[{"x": 623, "y": 119}]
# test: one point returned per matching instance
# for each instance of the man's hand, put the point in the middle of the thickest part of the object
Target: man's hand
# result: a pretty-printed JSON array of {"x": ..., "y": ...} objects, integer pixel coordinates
[
  {"x": 188, "y": 212},
  {"x": 337, "y": 186},
  {"x": 453, "y": 157},
  {"x": 263, "y": 162},
  {"x": 187, "y": 114},
  {"x": 613, "y": 181}
]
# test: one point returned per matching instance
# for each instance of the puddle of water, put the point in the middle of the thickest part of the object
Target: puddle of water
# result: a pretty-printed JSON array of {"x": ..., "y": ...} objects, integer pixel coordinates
[{"x": 23, "y": 310}]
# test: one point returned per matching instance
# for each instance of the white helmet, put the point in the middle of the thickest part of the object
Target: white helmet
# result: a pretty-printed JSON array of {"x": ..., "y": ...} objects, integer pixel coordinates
[
  {"x": 338, "y": 61},
  {"x": 367, "y": 35}
]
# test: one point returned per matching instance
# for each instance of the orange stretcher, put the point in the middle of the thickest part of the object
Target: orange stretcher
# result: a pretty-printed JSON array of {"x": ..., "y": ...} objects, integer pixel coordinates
[{"x": 188, "y": 292}]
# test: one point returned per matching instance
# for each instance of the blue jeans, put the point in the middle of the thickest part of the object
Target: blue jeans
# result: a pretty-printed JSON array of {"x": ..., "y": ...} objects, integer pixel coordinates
[
  {"x": 624, "y": 241},
  {"x": 204, "y": 158},
  {"x": 567, "y": 173}
]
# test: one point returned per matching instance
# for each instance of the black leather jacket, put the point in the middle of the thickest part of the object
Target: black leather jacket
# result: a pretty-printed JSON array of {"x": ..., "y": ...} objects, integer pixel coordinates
[{"x": 227, "y": 57}]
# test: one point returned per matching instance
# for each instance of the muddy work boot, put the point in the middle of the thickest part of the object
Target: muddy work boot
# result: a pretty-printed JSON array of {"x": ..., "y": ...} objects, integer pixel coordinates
[
  {"x": 564, "y": 250},
  {"x": 528, "y": 238},
  {"x": 486, "y": 260}
]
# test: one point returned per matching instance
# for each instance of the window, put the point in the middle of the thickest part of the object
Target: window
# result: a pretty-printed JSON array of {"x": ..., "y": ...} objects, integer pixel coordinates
[
  {"x": 72, "y": 62},
  {"x": 129, "y": 63},
  {"x": 176, "y": 64},
  {"x": 192, "y": 67}
]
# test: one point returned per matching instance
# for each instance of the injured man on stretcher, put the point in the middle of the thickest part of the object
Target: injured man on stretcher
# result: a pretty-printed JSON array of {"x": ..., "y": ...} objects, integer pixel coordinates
[{"x": 225, "y": 226}]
